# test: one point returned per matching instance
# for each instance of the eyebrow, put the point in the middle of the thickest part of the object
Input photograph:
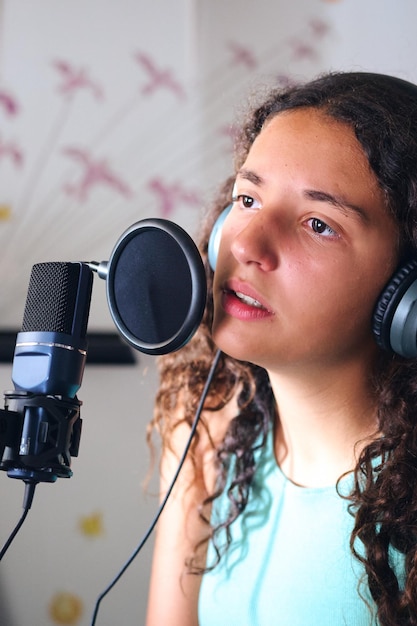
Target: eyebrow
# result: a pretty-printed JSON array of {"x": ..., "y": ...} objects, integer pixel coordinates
[
  {"x": 251, "y": 176},
  {"x": 337, "y": 201}
]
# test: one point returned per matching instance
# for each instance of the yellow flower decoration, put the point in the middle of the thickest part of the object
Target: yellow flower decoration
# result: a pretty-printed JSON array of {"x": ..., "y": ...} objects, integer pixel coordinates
[
  {"x": 65, "y": 608},
  {"x": 5, "y": 212},
  {"x": 92, "y": 525}
]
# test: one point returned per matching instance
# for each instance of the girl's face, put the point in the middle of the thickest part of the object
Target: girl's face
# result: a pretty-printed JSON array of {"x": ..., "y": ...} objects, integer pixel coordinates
[{"x": 306, "y": 249}]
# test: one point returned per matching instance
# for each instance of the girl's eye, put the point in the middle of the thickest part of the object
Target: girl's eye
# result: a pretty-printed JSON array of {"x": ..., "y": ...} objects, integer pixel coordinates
[
  {"x": 246, "y": 202},
  {"x": 321, "y": 228}
]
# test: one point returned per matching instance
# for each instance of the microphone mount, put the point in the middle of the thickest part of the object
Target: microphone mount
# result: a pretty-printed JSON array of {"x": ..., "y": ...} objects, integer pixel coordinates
[{"x": 38, "y": 436}]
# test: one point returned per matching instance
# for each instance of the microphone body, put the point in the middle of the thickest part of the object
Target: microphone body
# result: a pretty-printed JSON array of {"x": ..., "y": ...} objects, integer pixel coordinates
[
  {"x": 51, "y": 348},
  {"x": 41, "y": 420}
]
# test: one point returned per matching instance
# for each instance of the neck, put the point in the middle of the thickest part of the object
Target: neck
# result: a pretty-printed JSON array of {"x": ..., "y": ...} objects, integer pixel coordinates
[{"x": 325, "y": 418}]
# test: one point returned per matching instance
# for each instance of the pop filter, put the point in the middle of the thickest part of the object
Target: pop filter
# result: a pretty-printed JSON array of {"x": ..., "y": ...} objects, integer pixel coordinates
[{"x": 156, "y": 286}]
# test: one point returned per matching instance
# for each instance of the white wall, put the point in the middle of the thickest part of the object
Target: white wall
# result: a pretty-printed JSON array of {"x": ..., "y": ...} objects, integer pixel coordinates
[
  {"x": 51, "y": 554},
  {"x": 216, "y": 51}
]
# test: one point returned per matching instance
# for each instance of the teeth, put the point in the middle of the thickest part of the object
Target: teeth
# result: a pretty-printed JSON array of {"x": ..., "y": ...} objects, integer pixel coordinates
[{"x": 248, "y": 300}]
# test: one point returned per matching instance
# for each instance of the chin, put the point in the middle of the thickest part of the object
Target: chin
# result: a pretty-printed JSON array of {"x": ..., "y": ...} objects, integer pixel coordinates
[
  {"x": 234, "y": 347},
  {"x": 240, "y": 341}
]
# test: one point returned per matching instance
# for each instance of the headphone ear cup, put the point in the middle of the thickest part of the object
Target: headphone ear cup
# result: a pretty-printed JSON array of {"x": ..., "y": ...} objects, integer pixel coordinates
[
  {"x": 395, "y": 315},
  {"x": 215, "y": 236}
]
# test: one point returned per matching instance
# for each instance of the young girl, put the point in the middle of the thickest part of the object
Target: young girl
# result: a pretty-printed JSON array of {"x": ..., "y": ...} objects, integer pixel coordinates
[{"x": 298, "y": 503}]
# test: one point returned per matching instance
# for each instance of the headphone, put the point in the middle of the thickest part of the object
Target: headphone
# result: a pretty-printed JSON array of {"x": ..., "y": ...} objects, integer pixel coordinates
[{"x": 394, "y": 320}]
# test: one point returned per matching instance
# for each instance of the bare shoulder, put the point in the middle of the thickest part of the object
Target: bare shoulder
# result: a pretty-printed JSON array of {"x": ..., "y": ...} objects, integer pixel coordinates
[{"x": 174, "y": 593}]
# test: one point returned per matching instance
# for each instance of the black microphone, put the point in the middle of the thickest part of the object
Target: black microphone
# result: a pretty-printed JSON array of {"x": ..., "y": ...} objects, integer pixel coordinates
[
  {"x": 156, "y": 286},
  {"x": 156, "y": 292},
  {"x": 51, "y": 348},
  {"x": 42, "y": 417}
]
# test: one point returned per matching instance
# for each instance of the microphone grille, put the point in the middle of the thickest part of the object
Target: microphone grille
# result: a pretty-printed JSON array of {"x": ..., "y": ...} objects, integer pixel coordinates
[{"x": 51, "y": 298}]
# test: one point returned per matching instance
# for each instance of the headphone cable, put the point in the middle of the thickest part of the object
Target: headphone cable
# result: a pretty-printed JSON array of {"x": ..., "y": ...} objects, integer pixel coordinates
[
  {"x": 27, "y": 503},
  {"x": 168, "y": 493}
]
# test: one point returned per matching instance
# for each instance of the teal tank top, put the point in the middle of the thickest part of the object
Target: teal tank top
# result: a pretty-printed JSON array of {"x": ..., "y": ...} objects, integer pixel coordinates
[{"x": 289, "y": 563}]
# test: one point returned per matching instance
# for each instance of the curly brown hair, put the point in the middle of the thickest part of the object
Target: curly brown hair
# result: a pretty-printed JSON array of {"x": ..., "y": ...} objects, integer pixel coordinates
[{"x": 382, "y": 111}]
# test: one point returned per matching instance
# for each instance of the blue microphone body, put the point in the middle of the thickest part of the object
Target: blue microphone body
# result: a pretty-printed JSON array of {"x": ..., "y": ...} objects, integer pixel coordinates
[
  {"x": 51, "y": 349},
  {"x": 43, "y": 412},
  {"x": 48, "y": 363}
]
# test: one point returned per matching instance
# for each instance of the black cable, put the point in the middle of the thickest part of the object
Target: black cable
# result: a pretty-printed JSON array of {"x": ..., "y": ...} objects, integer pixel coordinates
[
  {"x": 27, "y": 503},
  {"x": 168, "y": 493}
]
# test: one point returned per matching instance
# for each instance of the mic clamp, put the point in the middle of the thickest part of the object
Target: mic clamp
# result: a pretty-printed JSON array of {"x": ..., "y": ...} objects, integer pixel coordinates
[{"x": 38, "y": 436}]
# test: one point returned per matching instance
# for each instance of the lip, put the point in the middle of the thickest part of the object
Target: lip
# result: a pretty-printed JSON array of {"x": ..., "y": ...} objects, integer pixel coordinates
[{"x": 236, "y": 307}]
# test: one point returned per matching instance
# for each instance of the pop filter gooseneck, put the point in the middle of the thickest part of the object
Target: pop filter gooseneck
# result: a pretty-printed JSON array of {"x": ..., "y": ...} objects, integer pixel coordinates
[{"x": 156, "y": 286}]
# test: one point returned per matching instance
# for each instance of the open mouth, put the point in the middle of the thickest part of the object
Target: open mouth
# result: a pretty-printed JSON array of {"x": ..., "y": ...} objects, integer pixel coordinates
[{"x": 248, "y": 300}]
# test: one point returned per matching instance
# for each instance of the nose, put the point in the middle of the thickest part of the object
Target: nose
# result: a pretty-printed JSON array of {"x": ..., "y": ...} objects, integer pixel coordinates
[{"x": 257, "y": 242}]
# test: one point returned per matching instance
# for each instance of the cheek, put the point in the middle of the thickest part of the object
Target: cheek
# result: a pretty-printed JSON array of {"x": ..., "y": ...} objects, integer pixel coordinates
[
  {"x": 343, "y": 297},
  {"x": 356, "y": 299}
]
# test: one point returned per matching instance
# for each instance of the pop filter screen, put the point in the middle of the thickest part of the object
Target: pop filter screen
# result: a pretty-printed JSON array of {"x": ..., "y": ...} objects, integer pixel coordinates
[{"x": 156, "y": 286}]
